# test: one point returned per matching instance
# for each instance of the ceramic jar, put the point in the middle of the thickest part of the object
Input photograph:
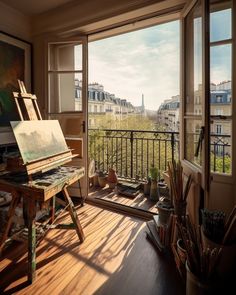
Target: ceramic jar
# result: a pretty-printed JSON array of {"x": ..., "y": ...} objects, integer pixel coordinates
[{"x": 112, "y": 178}]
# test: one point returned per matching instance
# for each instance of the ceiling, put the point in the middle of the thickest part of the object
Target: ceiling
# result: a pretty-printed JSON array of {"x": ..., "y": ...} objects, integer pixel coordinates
[{"x": 30, "y": 8}]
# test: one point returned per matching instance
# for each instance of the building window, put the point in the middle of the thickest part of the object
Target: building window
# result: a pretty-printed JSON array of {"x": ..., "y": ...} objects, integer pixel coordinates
[
  {"x": 219, "y": 98},
  {"x": 95, "y": 109},
  {"x": 101, "y": 109},
  {"x": 89, "y": 108},
  {"x": 219, "y": 112},
  {"x": 218, "y": 129}
]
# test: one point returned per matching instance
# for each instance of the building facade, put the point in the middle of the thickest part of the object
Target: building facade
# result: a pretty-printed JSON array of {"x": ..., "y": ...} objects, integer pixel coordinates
[
  {"x": 220, "y": 108},
  {"x": 168, "y": 114},
  {"x": 220, "y": 111},
  {"x": 102, "y": 103}
]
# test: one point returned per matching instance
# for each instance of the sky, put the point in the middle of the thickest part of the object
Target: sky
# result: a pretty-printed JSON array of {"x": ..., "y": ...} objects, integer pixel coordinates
[
  {"x": 220, "y": 56},
  {"x": 141, "y": 62},
  {"x": 148, "y": 61}
]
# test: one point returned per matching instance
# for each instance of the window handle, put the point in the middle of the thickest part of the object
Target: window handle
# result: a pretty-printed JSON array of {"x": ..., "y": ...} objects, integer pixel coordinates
[
  {"x": 200, "y": 140},
  {"x": 83, "y": 126}
]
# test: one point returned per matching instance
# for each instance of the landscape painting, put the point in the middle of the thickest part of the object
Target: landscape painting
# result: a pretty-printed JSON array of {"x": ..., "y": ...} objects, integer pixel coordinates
[
  {"x": 15, "y": 63},
  {"x": 38, "y": 140}
]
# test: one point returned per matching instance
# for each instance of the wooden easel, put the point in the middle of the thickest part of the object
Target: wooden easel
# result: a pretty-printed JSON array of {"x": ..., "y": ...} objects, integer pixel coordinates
[
  {"x": 31, "y": 192},
  {"x": 26, "y": 104}
]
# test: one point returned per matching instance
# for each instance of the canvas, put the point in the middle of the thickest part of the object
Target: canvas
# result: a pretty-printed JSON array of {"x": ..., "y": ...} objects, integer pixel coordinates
[{"x": 38, "y": 140}]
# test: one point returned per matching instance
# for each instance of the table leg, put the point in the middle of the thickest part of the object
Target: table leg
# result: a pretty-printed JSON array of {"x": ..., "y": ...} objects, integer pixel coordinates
[
  {"x": 74, "y": 215},
  {"x": 31, "y": 212}
]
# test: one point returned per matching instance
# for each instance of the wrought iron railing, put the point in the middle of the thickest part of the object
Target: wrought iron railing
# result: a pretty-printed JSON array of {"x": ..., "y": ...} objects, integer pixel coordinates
[
  {"x": 133, "y": 152},
  {"x": 221, "y": 153}
]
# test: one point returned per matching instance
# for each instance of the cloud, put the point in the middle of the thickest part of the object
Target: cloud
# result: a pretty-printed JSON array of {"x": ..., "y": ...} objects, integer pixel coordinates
[
  {"x": 220, "y": 63},
  {"x": 141, "y": 62}
]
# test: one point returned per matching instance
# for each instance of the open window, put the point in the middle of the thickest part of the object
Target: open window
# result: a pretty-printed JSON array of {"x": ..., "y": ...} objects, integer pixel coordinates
[
  {"x": 67, "y": 96},
  {"x": 207, "y": 87}
]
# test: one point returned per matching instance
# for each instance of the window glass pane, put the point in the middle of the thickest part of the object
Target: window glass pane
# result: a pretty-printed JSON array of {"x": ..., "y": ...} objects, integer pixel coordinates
[
  {"x": 221, "y": 146},
  {"x": 192, "y": 133},
  {"x": 65, "y": 57},
  {"x": 193, "y": 101},
  {"x": 220, "y": 25},
  {"x": 65, "y": 92},
  {"x": 221, "y": 76},
  {"x": 194, "y": 93}
]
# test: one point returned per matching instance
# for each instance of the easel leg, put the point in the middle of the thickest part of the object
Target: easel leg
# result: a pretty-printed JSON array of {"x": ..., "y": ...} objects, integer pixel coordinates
[
  {"x": 80, "y": 191},
  {"x": 14, "y": 202},
  {"x": 73, "y": 215},
  {"x": 31, "y": 212}
]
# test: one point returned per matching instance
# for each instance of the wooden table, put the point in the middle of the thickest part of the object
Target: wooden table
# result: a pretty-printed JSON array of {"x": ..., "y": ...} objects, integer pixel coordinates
[{"x": 42, "y": 188}]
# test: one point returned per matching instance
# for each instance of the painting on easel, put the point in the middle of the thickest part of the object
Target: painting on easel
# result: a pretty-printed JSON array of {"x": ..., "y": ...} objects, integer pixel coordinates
[{"x": 38, "y": 140}]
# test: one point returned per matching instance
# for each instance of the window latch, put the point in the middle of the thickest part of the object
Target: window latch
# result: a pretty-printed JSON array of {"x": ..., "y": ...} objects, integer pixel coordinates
[
  {"x": 200, "y": 140},
  {"x": 83, "y": 126}
]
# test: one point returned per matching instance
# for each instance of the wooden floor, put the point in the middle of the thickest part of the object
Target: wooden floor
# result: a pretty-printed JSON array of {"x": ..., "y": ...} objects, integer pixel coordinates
[
  {"x": 114, "y": 259},
  {"x": 140, "y": 202}
]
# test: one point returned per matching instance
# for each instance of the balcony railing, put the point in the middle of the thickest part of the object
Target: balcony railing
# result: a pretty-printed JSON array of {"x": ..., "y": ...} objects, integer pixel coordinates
[
  {"x": 133, "y": 152},
  {"x": 221, "y": 153}
]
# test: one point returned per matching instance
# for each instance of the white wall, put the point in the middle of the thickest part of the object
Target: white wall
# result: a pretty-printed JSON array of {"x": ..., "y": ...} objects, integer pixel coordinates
[{"x": 14, "y": 22}]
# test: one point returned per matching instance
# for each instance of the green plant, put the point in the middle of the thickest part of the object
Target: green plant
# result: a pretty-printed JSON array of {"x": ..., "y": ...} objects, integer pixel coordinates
[{"x": 153, "y": 173}]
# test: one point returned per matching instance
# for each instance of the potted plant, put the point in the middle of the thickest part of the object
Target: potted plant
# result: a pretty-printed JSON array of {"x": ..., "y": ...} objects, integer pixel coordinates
[{"x": 153, "y": 189}]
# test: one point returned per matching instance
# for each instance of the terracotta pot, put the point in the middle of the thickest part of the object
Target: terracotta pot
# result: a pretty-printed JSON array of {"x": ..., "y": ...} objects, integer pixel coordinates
[{"x": 112, "y": 176}]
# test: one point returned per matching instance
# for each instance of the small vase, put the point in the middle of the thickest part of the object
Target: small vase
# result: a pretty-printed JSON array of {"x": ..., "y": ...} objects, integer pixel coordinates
[
  {"x": 153, "y": 191},
  {"x": 102, "y": 180},
  {"x": 112, "y": 178},
  {"x": 146, "y": 188},
  {"x": 164, "y": 210},
  {"x": 163, "y": 190}
]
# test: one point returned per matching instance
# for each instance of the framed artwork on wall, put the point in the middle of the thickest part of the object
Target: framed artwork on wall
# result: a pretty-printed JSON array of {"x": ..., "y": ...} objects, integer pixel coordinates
[{"x": 15, "y": 63}]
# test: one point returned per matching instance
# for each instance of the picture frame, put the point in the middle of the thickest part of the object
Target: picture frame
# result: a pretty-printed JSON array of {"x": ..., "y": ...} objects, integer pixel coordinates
[{"x": 15, "y": 56}]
